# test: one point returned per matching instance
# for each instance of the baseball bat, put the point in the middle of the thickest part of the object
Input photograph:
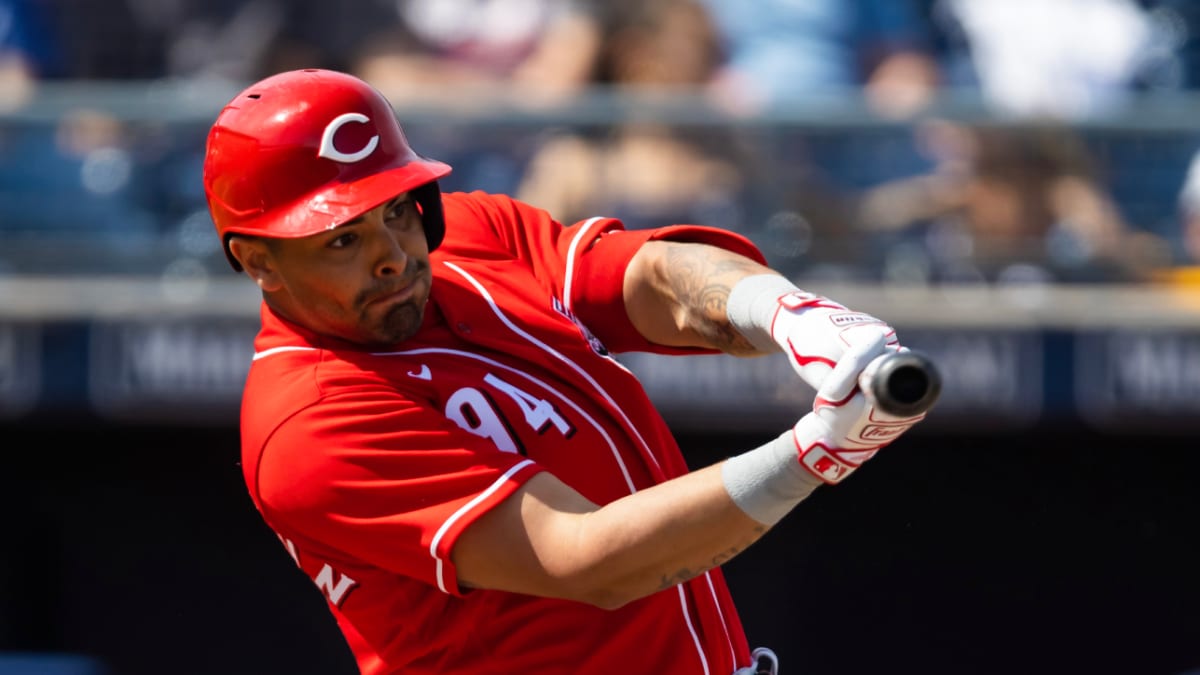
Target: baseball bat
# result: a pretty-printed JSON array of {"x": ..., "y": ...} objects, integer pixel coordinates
[{"x": 904, "y": 384}]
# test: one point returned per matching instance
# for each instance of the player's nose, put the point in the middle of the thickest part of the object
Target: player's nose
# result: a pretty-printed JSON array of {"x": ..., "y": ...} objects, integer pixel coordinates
[{"x": 386, "y": 248}]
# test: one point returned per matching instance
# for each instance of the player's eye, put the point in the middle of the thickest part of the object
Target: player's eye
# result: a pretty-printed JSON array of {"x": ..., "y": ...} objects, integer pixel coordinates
[
  {"x": 397, "y": 210},
  {"x": 343, "y": 240}
]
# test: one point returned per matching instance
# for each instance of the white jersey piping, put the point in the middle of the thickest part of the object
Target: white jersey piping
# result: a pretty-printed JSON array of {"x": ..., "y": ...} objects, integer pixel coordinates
[
  {"x": 600, "y": 390},
  {"x": 437, "y": 538}
]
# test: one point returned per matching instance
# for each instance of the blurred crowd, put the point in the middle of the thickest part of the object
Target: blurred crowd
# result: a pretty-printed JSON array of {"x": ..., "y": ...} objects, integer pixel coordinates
[{"x": 945, "y": 141}]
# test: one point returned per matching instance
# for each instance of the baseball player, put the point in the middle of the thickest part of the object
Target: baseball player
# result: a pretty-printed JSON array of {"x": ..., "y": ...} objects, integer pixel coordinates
[{"x": 436, "y": 429}]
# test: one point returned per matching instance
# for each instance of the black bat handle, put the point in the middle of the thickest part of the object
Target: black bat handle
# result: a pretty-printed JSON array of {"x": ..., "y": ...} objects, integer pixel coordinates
[{"x": 904, "y": 384}]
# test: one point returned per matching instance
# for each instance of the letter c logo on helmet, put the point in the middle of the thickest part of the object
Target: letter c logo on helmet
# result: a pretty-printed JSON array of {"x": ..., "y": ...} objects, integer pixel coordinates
[{"x": 327, "y": 149}]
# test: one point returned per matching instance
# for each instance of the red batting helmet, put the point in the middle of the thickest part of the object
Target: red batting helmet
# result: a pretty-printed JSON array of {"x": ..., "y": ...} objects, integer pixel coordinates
[{"x": 307, "y": 150}]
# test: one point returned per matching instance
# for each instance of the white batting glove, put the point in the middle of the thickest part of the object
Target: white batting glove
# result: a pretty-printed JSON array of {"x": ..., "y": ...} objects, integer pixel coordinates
[
  {"x": 812, "y": 330},
  {"x": 816, "y": 332},
  {"x": 844, "y": 429}
]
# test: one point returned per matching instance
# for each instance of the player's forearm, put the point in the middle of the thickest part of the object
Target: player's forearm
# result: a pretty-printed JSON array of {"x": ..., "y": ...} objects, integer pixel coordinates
[
  {"x": 549, "y": 540},
  {"x": 667, "y": 534},
  {"x": 676, "y": 294},
  {"x": 660, "y": 537}
]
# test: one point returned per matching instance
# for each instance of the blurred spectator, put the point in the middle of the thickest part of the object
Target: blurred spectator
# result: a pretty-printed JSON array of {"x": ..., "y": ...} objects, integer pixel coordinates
[
  {"x": 1022, "y": 202},
  {"x": 644, "y": 170},
  {"x": 238, "y": 40},
  {"x": 27, "y": 35},
  {"x": 1189, "y": 209},
  {"x": 28, "y": 50},
  {"x": 785, "y": 54},
  {"x": 1006, "y": 204},
  {"x": 782, "y": 51},
  {"x": 153, "y": 39},
  {"x": 459, "y": 54},
  {"x": 1059, "y": 59},
  {"x": 531, "y": 49},
  {"x": 80, "y": 183},
  {"x": 549, "y": 43},
  {"x": 235, "y": 40},
  {"x": 1180, "y": 21}
]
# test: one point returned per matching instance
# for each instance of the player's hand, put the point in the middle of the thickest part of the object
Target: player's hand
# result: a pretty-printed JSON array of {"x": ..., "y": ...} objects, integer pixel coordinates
[
  {"x": 816, "y": 332},
  {"x": 844, "y": 429}
]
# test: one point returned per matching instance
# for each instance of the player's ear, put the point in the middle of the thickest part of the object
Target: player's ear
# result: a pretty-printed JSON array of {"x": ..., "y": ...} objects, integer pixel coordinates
[{"x": 254, "y": 254}]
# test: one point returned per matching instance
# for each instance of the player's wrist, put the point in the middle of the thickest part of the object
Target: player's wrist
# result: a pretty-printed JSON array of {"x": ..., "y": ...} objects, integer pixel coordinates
[
  {"x": 768, "y": 481},
  {"x": 753, "y": 303}
]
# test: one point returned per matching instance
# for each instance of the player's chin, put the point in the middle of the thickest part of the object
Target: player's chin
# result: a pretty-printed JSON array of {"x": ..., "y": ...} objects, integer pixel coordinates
[{"x": 400, "y": 322}]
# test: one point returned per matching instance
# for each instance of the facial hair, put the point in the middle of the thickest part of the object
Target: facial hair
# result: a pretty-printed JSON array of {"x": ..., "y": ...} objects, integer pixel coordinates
[{"x": 400, "y": 322}]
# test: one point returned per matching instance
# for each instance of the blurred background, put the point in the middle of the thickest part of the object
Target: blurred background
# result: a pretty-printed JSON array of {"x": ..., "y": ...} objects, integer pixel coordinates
[{"x": 1013, "y": 184}]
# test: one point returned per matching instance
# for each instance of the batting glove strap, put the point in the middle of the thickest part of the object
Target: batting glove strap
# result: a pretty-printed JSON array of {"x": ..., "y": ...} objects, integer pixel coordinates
[
  {"x": 824, "y": 454},
  {"x": 832, "y": 465}
]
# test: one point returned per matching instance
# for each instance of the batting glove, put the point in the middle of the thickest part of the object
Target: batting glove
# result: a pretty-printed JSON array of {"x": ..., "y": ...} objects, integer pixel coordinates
[
  {"x": 816, "y": 333},
  {"x": 812, "y": 330},
  {"x": 844, "y": 429}
]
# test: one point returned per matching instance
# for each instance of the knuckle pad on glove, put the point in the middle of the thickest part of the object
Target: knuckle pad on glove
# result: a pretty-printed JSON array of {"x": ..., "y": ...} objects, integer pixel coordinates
[{"x": 816, "y": 333}]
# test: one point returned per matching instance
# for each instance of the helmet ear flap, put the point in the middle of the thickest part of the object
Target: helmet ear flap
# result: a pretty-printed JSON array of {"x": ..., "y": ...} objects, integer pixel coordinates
[{"x": 429, "y": 200}]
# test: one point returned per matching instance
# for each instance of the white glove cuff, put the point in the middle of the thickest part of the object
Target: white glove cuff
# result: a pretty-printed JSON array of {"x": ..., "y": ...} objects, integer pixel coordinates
[
  {"x": 768, "y": 481},
  {"x": 752, "y": 304}
]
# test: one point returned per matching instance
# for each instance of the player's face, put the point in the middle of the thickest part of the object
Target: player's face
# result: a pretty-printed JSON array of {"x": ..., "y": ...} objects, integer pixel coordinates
[{"x": 366, "y": 281}]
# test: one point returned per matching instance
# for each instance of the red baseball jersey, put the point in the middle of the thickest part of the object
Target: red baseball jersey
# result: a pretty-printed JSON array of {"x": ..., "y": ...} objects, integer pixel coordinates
[{"x": 368, "y": 464}]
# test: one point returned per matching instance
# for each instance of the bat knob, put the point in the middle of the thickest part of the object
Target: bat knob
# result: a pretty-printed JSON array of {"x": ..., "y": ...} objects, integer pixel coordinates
[{"x": 904, "y": 384}]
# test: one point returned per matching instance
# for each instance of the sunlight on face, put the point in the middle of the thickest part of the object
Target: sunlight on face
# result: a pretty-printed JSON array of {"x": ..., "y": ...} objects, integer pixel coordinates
[{"x": 366, "y": 281}]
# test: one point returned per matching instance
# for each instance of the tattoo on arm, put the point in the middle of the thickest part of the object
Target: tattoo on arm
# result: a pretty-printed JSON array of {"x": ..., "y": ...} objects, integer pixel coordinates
[
  {"x": 684, "y": 574},
  {"x": 677, "y": 578},
  {"x": 702, "y": 278}
]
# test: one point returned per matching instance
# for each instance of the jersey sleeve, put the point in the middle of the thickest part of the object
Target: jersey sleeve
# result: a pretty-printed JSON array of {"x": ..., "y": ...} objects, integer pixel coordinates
[
  {"x": 584, "y": 264},
  {"x": 383, "y": 480},
  {"x": 597, "y": 293}
]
